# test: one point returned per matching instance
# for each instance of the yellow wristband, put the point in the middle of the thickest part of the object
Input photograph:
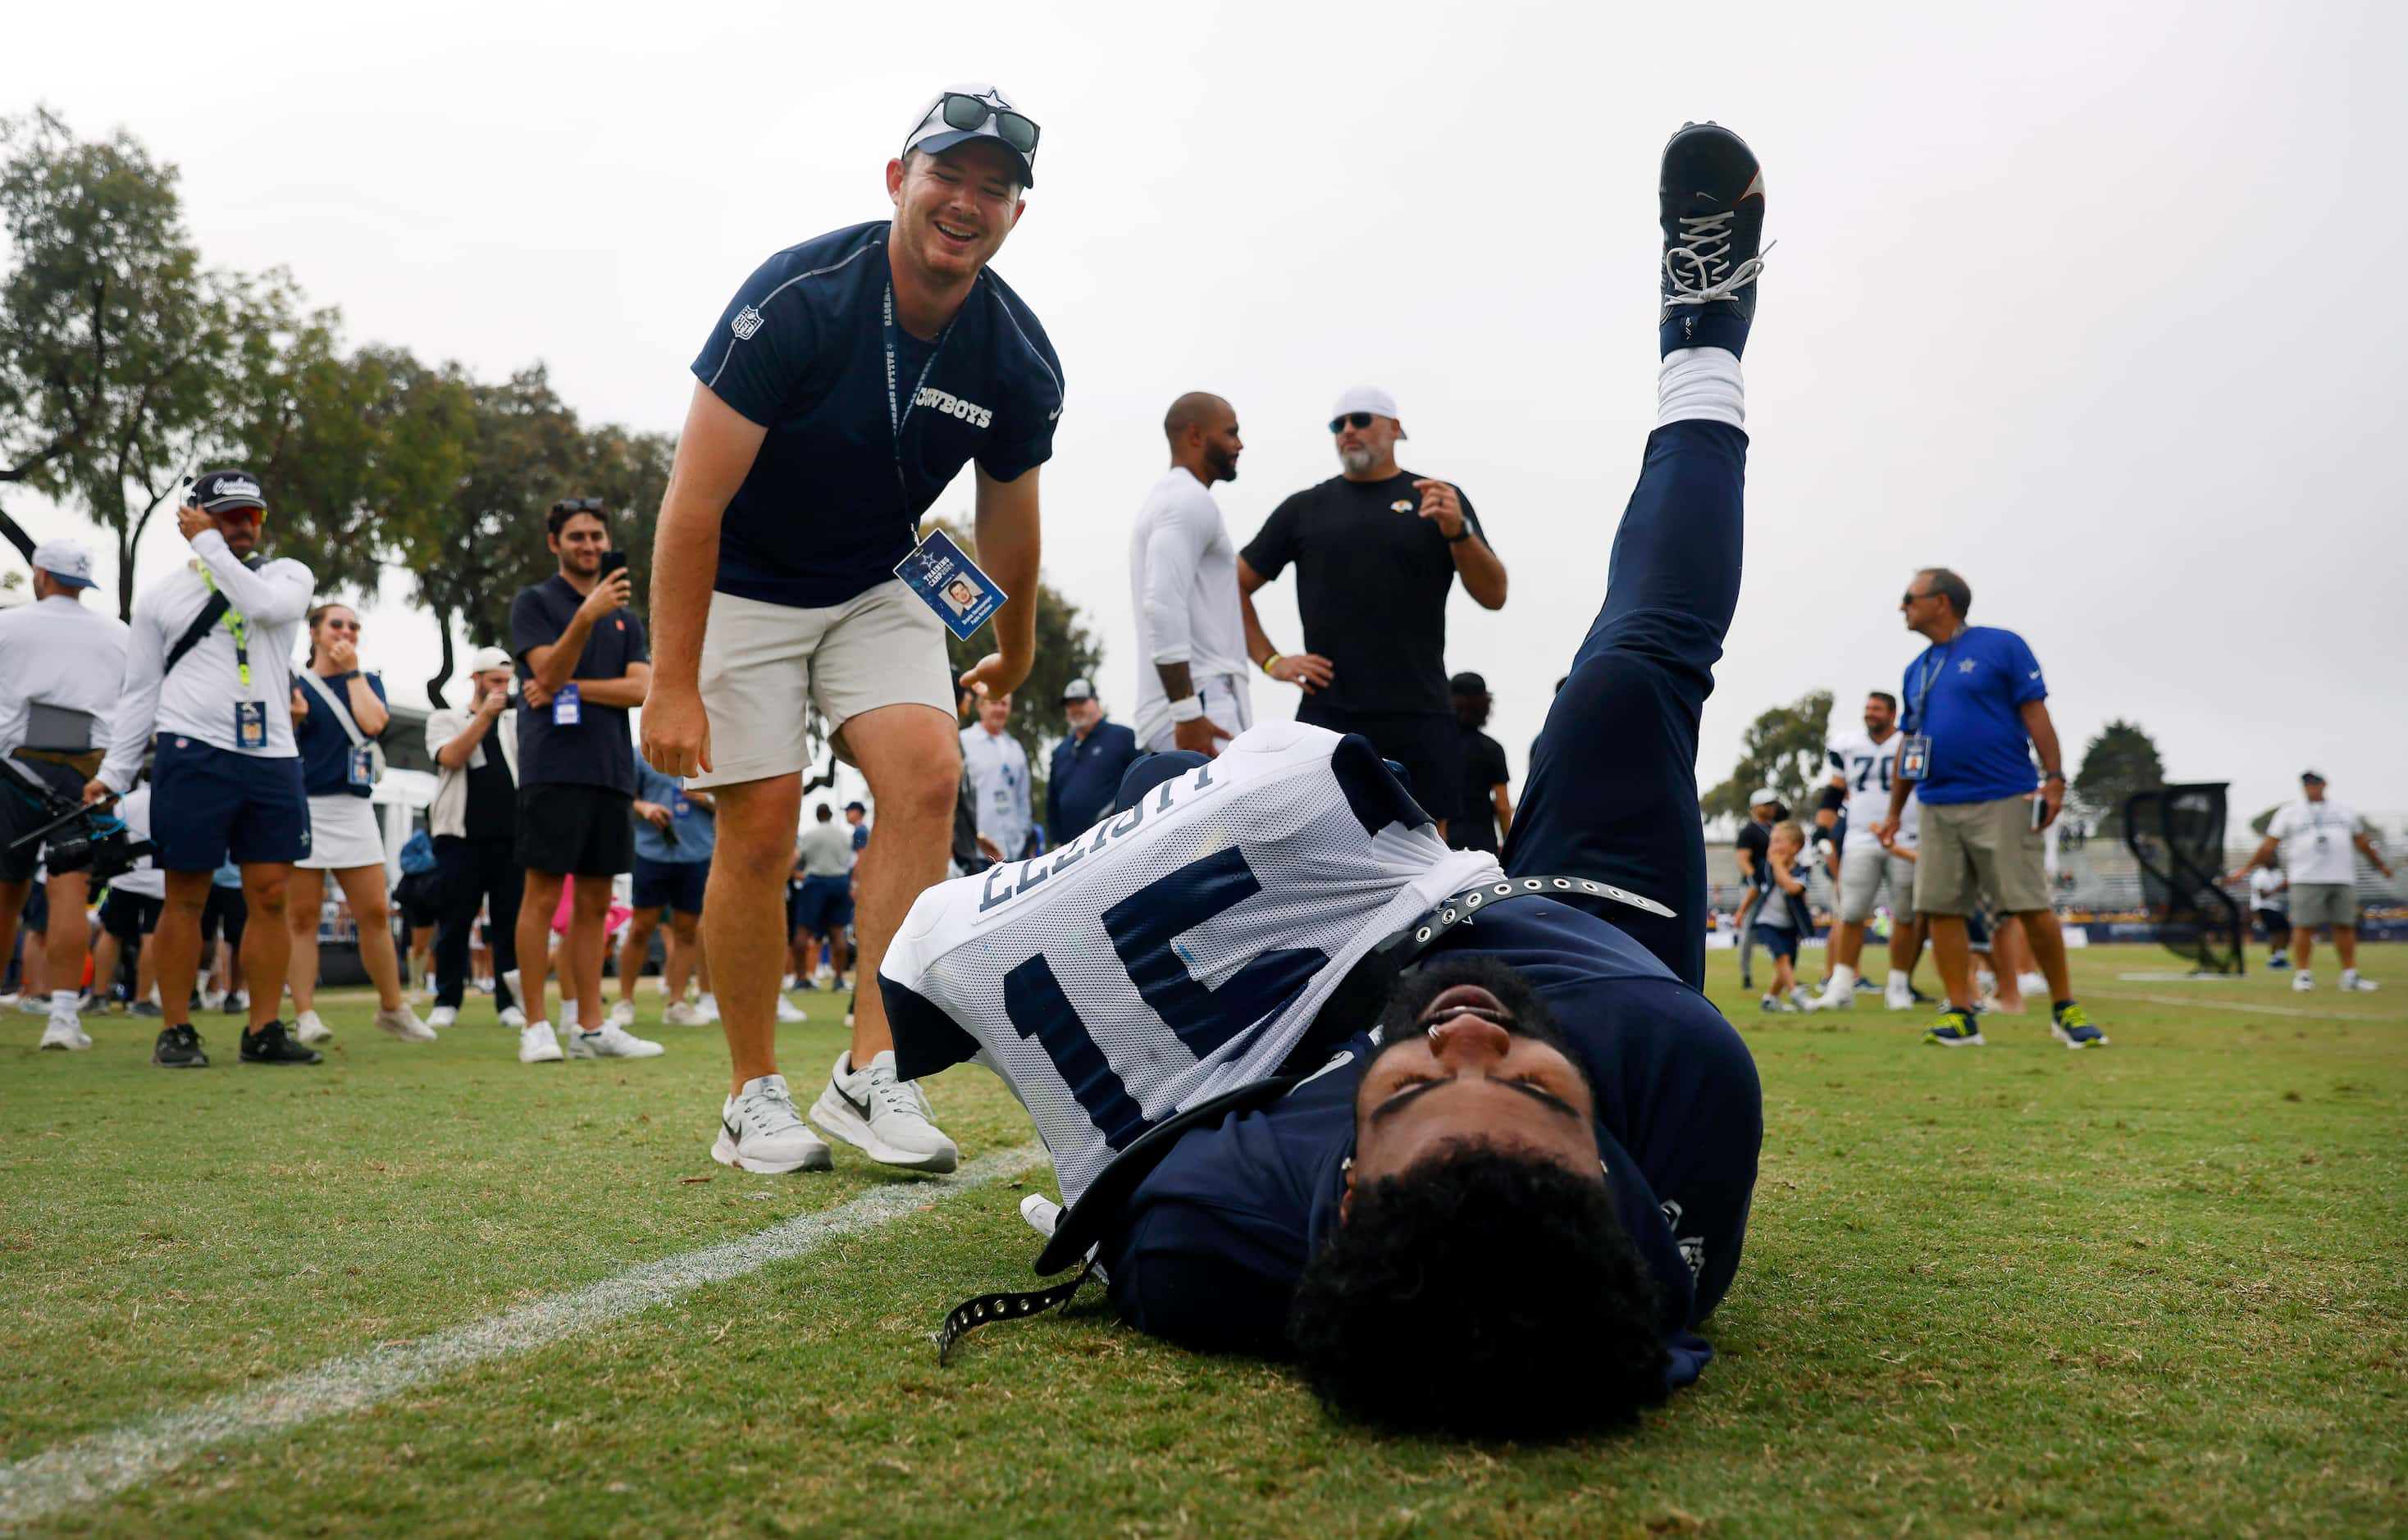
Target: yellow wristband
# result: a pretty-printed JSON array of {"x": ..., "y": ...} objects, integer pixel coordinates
[{"x": 1271, "y": 658}]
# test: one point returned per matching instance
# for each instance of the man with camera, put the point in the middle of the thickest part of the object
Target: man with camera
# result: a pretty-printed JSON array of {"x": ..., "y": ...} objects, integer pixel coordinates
[
  {"x": 208, "y": 668},
  {"x": 584, "y": 665},
  {"x": 474, "y": 820},
  {"x": 60, "y": 667}
]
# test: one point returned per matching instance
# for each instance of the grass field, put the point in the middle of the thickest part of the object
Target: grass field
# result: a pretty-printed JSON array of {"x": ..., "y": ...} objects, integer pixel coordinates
[{"x": 2157, "y": 1288}]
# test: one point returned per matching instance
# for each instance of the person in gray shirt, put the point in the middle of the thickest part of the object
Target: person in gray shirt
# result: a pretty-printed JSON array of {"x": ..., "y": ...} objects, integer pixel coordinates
[{"x": 824, "y": 907}]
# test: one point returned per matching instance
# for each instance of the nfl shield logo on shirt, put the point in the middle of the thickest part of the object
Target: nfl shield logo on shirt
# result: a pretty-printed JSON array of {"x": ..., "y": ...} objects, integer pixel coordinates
[{"x": 747, "y": 322}]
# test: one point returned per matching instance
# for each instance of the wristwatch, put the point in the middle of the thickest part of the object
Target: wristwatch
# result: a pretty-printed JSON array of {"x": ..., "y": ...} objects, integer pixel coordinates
[
  {"x": 2052, "y": 775},
  {"x": 1460, "y": 535}
]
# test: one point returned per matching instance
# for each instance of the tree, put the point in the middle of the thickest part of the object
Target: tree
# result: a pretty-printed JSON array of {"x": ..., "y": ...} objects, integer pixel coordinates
[
  {"x": 1782, "y": 749},
  {"x": 115, "y": 335},
  {"x": 1065, "y": 651},
  {"x": 2120, "y": 761}
]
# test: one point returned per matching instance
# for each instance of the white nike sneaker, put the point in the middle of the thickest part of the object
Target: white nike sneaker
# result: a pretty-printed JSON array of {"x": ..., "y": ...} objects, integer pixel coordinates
[
  {"x": 611, "y": 1041},
  {"x": 682, "y": 1015},
  {"x": 513, "y": 1019},
  {"x": 2302, "y": 981},
  {"x": 403, "y": 1023},
  {"x": 884, "y": 1117},
  {"x": 759, "y": 1130},
  {"x": 442, "y": 1017},
  {"x": 308, "y": 1028},
  {"x": 536, "y": 1044},
  {"x": 622, "y": 1014},
  {"x": 708, "y": 1008},
  {"x": 66, "y": 1031},
  {"x": 1834, "y": 999},
  {"x": 1898, "y": 997},
  {"x": 2349, "y": 982},
  {"x": 789, "y": 1013}
]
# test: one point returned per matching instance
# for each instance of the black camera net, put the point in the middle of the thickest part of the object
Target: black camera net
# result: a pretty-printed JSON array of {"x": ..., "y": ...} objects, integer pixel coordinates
[{"x": 2177, "y": 834}]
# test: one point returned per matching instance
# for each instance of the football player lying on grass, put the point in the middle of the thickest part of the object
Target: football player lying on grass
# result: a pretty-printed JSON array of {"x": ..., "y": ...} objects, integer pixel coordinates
[{"x": 1468, "y": 1142}]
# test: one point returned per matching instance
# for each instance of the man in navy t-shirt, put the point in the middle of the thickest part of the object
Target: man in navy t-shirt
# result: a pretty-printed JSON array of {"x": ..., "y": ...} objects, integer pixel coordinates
[
  {"x": 845, "y": 388},
  {"x": 1976, "y": 710}
]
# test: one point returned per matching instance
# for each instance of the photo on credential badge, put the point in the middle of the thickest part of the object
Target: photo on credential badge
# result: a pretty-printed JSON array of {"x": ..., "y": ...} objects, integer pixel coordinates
[{"x": 950, "y": 583}]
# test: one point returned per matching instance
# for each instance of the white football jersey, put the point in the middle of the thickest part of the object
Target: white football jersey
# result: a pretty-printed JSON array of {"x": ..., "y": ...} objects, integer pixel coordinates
[
  {"x": 1870, "y": 768},
  {"x": 1176, "y": 950},
  {"x": 2266, "y": 890}
]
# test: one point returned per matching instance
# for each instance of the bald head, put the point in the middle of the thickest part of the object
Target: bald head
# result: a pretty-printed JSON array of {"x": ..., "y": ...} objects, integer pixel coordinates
[{"x": 1203, "y": 432}]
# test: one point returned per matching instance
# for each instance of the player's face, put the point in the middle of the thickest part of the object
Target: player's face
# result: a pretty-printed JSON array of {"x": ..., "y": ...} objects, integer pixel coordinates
[
  {"x": 1222, "y": 447},
  {"x": 1878, "y": 716},
  {"x": 953, "y": 211},
  {"x": 1471, "y": 1059},
  {"x": 580, "y": 544}
]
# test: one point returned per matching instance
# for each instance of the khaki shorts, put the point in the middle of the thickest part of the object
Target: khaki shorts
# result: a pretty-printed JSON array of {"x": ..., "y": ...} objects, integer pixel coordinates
[
  {"x": 1862, "y": 872},
  {"x": 762, "y": 663},
  {"x": 2314, "y": 904},
  {"x": 1969, "y": 850}
]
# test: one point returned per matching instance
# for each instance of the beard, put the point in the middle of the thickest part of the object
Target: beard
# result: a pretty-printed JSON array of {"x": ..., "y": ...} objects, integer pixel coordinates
[
  {"x": 1222, "y": 466},
  {"x": 1358, "y": 460},
  {"x": 1401, "y": 1016}
]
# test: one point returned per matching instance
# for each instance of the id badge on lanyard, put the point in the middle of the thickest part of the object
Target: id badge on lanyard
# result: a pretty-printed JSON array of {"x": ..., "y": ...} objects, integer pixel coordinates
[
  {"x": 251, "y": 725},
  {"x": 565, "y": 707},
  {"x": 1915, "y": 757},
  {"x": 938, "y": 570},
  {"x": 360, "y": 765}
]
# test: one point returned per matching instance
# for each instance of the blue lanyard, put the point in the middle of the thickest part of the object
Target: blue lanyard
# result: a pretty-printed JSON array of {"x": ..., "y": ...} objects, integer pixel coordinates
[
  {"x": 1931, "y": 676},
  {"x": 898, "y": 411}
]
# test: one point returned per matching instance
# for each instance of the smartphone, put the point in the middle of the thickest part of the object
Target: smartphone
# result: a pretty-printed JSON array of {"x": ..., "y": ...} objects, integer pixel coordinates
[{"x": 613, "y": 560}]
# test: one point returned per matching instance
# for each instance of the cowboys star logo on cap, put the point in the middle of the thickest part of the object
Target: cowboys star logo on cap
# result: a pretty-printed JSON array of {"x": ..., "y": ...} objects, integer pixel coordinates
[
  {"x": 981, "y": 111},
  {"x": 216, "y": 491}
]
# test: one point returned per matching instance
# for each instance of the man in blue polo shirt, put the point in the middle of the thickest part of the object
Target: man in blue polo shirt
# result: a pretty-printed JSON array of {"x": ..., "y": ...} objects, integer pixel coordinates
[
  {"x": 845, "y": 386},
  {"x": 1976, "y": 711},
  {"x": 1087, "y": 765}
]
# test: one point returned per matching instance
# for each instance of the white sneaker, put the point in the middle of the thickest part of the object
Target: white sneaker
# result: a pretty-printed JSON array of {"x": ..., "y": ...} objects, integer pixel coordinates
[
  {"x": 1898, "y": 997},
  {"x": 212, "y": 999},
  {"x": 308, "y": 1028},
  {"x": 536, "y": 1044},
  {"x": 514, "y": 1017},
  {"x": 708, "y": 1008},
  {"x": 848, "y": 1019},
  {"x": 759, "y": 1130},
  {"x": 789, "y": 1013},
  {"x": 884, "y": 1117},
  {"x": 2302, "y": 981},
  {"x": 66, "y": 1031},
  {"x": 611, "y": 1041},
  {"x": 2349, "y": 980},
  {"x": 1834, "y": 999},
  {"x": 787, "y": 982},
  {"x": 518, "y": 994},
  {"x": 403, "y": 1023},
  {"x": 682, "y": 1015},
  {"x": 622, "y": 1015},
  {"x": 443, "y": 1016},
  {"x": 13, "y": 997},
  {"x": 238, "y": 1001}
]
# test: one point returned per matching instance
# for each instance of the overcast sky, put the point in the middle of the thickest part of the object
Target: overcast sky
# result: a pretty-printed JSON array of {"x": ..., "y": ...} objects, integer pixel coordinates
[{"x": 2091, "y": 303}]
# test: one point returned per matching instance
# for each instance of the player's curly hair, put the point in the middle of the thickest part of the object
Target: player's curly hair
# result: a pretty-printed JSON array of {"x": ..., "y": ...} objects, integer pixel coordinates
[{"x": 1485, "y": 1294}]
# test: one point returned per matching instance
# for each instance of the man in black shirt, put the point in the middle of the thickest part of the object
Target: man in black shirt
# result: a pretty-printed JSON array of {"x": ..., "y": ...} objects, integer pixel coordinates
[
  {"x": 1484, "y": 812},
  {"x": 583, "y": 664},
  {"x": 1752, "y": 852},
  {"x": 1375, "y": 550}
]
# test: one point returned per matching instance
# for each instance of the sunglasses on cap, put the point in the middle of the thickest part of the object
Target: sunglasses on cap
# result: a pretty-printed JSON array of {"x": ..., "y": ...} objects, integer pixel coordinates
[
  {"x": 578, "y": 504},
  {"x": 1344, "y": 420},
  {"x": 968, "y": 113}
]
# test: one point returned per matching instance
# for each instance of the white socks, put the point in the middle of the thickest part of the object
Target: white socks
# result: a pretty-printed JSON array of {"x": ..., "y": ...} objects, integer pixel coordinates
[
  {"x": 1701, "y": 383},
  {"x": 1900, "y": 979},
  {"x": 1843, "y": 978},
  {"x": 63, "y": 1005}
]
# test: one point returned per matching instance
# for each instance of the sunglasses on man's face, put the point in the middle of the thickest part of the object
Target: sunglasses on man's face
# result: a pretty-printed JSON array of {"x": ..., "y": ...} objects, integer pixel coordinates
[
  {"x": 1911, "y": 596},
  {"x": 1344, "y": 420},
  {"x": 967, "y": 113}
]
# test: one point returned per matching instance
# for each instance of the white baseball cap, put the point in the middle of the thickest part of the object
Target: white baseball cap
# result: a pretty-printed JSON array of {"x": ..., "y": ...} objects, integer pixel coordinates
[
  {"x": 1078, "y": 690},
  {"x": 1761, "y": 795},
  {"x": 1365, "y": 398},
  {"x": 953, "y": 116},
  {"x": 68, "y": 562},
  {"x": 487, "y": 659}
]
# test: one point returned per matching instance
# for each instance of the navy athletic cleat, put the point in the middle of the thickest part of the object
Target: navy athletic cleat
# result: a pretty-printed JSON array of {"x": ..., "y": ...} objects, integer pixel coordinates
[
  {"x": 1954, "y": 1030},
  {"x": 1710, "y": 199}
]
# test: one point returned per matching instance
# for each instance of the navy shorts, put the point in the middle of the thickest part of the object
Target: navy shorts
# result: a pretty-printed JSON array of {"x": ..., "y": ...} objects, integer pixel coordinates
[
  {"x": 1777, "y": 941},
  {"x": 130, "y": 917},
  {"x": 824, "y": 906},
  {"x": 208, "y": 803},
  {"x": 673, "y": 885}
]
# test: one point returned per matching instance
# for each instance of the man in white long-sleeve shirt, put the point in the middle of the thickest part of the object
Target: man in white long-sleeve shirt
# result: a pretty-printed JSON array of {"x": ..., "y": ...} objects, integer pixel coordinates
[
  {"x": 214, "y": 681},
  {"x": 60, "y": 668},
  {"x": 1192, "y": 688}
]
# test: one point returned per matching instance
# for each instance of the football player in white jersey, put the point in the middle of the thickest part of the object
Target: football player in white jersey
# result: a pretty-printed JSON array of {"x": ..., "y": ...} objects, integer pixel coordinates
[
  {"x": 1314, "y": 1083},
  {"x": 1865, "y": 764}
]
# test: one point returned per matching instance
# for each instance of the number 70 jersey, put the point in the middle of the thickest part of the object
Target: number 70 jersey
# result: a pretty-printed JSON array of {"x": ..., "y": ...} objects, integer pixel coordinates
[{"x": 1177, "y": 950}]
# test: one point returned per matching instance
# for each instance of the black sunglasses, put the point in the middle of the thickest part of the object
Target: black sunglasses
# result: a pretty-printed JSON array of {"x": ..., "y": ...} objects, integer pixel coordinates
[
  {"x": 578, "y": 504},
  {"x": 968, "y": 112},
  {"x": 1911, "y": 596},
  {"x": 1344, "y": 420}
]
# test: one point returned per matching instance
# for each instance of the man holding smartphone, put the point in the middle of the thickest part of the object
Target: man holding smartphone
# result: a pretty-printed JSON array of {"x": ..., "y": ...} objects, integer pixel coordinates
[
  {"x": 1976, "y": 711},
  {"x": 583, "y": 664}
]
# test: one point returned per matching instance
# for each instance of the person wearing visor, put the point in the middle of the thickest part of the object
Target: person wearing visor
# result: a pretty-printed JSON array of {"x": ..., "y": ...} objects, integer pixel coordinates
[
  {"x": 1376, "y": 550},
  {"x": 845, "y": 385},
  {"x": 1466, "y": 1139},
  {"x": 208, "y": 669},
  {"x": 60, "y": 668}
]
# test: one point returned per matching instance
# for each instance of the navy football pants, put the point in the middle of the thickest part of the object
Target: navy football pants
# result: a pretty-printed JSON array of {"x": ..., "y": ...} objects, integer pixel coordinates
[{"x": 1613, "y": 791}]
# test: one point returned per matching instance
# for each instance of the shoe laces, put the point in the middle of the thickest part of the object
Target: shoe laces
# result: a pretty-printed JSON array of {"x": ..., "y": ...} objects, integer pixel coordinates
[
  {"x": 1699, "y": 269},
  {"x": 2073, "y": 1016},
  {"x": 896, "y": 1095},
  {"x": 769, "y": 1108}
]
